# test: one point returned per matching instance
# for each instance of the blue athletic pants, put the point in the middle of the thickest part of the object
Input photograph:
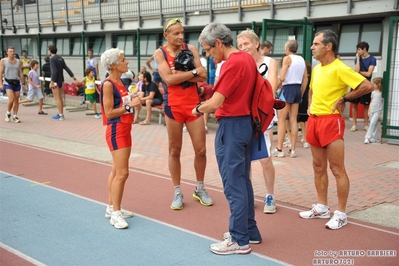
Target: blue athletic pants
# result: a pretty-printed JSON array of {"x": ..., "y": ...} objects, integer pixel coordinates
[{"x": 233, "y": 146}]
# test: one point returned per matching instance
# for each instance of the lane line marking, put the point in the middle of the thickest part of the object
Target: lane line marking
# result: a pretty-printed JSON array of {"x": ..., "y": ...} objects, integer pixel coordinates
[{"x": 21, "y": 255}]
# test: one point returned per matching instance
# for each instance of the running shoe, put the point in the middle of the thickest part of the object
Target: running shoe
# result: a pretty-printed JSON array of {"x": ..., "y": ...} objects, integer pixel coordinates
[
  {"x": 177, "y": 203},
  {"x": 337, "y": 221},
  {"x": 58, "y": 117},
  {"x": 227, "y": 247},
  {"x": 292, "y": 153},
  {"x": 313, "y": 213},
  {"x": 366, "y": 128},
  {"x": 277, "y": 153},
  {"x": 353, "y": 128},
  {"x": 8, "y": 117},
  {"x": 203, "y": 197},
  {"x": 96, "y": 116},
  {"x": 125, "y": 214},
  {"x": 270, "y": 205},
  {"x": 287, "y": 143},
  {"x": 117, "y": 220},
  {"x": 228, "y": 237},
  {"x": 366, "y": 141},
  {"x": 16, "y": 120}
]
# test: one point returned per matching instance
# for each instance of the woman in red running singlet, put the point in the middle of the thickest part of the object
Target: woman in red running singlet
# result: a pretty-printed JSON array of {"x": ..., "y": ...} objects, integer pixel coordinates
[{"x": 116, "y": 107}]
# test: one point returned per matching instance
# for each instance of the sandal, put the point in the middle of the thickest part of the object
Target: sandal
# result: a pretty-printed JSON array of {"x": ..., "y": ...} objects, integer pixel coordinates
[
  {"x": 144, "y": 123},
  {"x": 41, "y": 113}
]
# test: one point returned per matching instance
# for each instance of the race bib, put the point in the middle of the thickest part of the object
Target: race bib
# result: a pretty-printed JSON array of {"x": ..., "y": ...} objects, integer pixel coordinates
[
  {"x": 90, "y": 88},
  {"x": 127, "y": 100}
]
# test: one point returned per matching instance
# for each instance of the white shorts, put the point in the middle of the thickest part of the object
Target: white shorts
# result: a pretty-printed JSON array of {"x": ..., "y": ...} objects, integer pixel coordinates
[{"x": 34, "y": 92}]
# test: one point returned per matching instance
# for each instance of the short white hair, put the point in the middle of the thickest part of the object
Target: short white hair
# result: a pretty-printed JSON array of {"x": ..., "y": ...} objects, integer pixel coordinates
[{"x": 111, "y": 56}]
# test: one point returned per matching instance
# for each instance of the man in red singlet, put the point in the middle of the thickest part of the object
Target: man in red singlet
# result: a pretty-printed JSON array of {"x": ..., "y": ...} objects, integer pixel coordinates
[{"x": 179, "y": 101}]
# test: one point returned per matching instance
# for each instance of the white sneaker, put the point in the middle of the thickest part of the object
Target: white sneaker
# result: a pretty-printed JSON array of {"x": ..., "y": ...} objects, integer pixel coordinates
[
  {"x": 366, "y": 141},
  {"x": 353, "y": 128},
  {"x": 226, "y": 248},
  {"x": 277, "y": 153},
  {"x": 270, "y": 205},
  {"x": 117, "y": 220},
  {"x": 125, "y": 213},
  {"x": 227, "y": 236},
  {"x": 305, "y": 144},
  {"x": 185, "y": 129},
  {"x": 292, "y": 153},
  {"x": 313, "y": 213},
  {"x": 366, "y": 128},
  {"x": 287, "y": 143},
  {"x": 96, "y": 116},
  {"x": 337, "y": 221}
]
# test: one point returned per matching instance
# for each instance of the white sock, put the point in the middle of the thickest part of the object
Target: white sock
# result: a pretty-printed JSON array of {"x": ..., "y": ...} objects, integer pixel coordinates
[
  {"x": 321, "y": 207},
  {"x": 177, "y": 189},
  {"x": 341, "y": 214}
]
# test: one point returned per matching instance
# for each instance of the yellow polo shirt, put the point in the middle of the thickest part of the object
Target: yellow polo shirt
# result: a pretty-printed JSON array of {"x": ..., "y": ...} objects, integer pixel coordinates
[{"x": 329, "y": 83}]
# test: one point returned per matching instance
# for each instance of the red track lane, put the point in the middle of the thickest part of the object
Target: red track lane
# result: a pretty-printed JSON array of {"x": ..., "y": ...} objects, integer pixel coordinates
[{"x": 286, "y": 236}]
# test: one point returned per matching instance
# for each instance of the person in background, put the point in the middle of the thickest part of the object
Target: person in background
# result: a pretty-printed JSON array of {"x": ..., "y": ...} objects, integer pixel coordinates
[
  {"x": 294, "y": 78},
  {"x": 92, "y": 63},
  {"x": 325, "y": 132},
  {"x": 46, "y": 73},
  {"x": 149, "y": 96},
  {"x": 155, "y": 74},
  {"x": 57, "y": 66},
  {"x": 26, "y": 65},
  {"x": 234, "y": 139},
  {"x": 303, "y": 116},
  {"x": 90, "y": 87},
  {"x": 11, "y": 71},
  {"x": 116, "y": 108},
  {"x": 35, "y": 88},
  {"x": 266, "y": 48},
  {"x": 375, "y": 110},
  {"x": 248, "y": 42},
  {"x": 364, "y": 65},
  {"x": 178, "y": 105}
]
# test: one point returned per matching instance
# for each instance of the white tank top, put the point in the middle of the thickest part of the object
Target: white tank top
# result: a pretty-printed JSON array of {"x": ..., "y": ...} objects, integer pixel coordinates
[
  {"x": 295, "y": 71},
  {"x": 266, "y": 61}
]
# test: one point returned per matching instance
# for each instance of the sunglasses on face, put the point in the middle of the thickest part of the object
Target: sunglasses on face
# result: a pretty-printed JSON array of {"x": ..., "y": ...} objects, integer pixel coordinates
[{"x": 172, "y": 22}]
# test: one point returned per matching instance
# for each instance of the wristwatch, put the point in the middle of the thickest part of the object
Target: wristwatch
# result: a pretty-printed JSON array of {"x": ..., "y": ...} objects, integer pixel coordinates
[
  {"x": 127, "y": 107},
  {"x": 344, "y": 98},
  {"x": 198, "y": 111},
  {"x": 194, "y": 71}
]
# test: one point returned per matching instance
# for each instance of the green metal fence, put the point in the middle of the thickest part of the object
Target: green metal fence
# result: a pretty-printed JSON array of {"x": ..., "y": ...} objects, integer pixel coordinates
[{"x": 390, "y": 90}]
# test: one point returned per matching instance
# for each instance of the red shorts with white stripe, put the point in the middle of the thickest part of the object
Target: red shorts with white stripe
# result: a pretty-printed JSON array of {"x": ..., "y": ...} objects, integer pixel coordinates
[{"x": 322, "y": 130}]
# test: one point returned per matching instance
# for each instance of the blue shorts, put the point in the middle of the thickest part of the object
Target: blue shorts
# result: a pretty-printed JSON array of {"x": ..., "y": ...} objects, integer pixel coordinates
[
  {"x": 291, "y": 93},
  {"x": 156, "y": 77},
  {"x": 9, "y": 87}
]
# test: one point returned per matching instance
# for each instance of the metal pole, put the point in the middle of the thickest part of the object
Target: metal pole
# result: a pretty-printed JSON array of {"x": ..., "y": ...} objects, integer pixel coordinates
[
  {"x": 138, "y": 48},
  {"x": 84, "y": 53}
]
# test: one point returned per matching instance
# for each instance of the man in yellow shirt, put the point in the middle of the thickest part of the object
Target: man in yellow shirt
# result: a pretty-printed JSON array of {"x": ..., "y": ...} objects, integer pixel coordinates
[{"x": 325, "y": 132}]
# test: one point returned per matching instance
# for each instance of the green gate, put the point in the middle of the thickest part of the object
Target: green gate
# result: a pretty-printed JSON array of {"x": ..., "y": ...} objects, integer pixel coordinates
[
  {"x": 390, "y": 89},
  {"x": 279, "y": 31}
]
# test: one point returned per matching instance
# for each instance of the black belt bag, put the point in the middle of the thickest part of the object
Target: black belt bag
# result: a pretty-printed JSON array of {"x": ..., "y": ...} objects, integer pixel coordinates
[{"x": 13, "y": 82}]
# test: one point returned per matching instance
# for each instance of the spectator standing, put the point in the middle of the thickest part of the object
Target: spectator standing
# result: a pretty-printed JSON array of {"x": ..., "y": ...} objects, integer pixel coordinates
[
  {"x": 57, "y": 66},
  {"x": 154, "y": 68},
  {"x": 35, "y": 88},
  {"x": 376, "y": 106},
  {"x": 294, "y": 78},
  {"x": 178, "y": 105},
  {"x": 46, "y": 73},
  {"x": 149, "y": 96},
  {"x": 116, "y": 108},
  {"x": 234, "y": 139},
  {"x": 90, "y": 87},
  {"x": 26, "y": 65},
  {"x": 303, "y": 116},
  {"x": 11, "y": 71},
  {"x": 364, "y": 64},
  {"x": 329, "y": 83},
  {"x": 92, "y": 63},
  {"x": 266, "y": 48}
]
